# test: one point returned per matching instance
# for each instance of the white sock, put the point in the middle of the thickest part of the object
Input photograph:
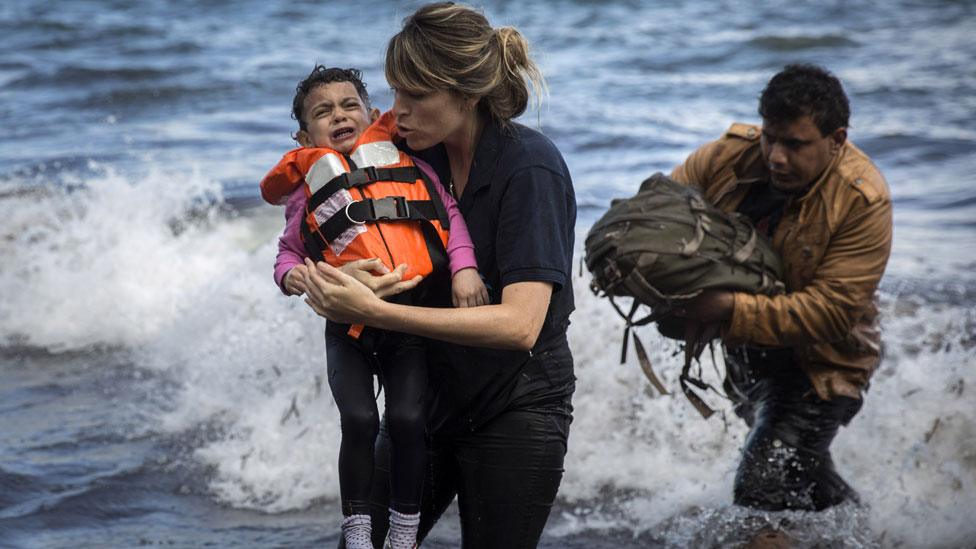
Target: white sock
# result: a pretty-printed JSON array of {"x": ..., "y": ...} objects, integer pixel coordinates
[
  {"x": 403, "y": 530},
  {"x": 357, "y": 531}
]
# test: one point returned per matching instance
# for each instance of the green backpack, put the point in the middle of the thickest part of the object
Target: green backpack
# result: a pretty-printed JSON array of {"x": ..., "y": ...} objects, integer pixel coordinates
[{"x": 663, "y": 247}]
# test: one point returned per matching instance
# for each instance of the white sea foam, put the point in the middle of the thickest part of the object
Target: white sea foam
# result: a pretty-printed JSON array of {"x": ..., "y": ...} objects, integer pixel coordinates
[
  {"x": 104, "y": 266},
  {"x": 254, "y": 361},
  {"x": 100, "y": 265},
  {"x": 911, "y": 452}
]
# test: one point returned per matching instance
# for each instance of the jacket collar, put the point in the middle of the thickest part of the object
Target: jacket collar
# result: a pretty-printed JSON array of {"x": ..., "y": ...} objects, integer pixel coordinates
[
  {"x": 748, "y": 169},
  {"x": 819, "y": 186}
]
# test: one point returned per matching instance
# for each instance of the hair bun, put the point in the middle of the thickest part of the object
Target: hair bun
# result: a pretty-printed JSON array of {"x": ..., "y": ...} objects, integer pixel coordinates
[{"x": 453, "y": 47}]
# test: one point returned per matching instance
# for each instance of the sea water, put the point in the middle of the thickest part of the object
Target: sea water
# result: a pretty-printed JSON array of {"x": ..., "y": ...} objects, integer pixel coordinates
[{"x": 158, "y": 390}]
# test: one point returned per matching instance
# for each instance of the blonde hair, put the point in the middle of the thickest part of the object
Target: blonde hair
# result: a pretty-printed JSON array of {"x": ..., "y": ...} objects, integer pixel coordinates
[{"x": 453, "y": 47}]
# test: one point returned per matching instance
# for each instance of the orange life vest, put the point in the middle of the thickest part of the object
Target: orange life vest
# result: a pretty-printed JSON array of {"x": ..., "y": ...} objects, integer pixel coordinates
[{"x": 373, "y": 202}]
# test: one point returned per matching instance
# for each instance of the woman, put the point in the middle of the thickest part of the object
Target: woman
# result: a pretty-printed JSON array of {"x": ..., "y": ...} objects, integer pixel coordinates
[{"x": 499, "y": 404}]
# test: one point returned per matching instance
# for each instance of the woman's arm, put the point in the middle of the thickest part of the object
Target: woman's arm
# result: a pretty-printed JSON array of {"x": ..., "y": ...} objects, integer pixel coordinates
[{"x": 515, "y": 323}]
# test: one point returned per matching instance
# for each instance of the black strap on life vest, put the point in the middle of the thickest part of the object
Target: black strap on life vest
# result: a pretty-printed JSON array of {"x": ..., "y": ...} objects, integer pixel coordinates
[
  {"x": 435, "y": 198},
  {"x": 362, "y": 177},
  {"x": 388, "y": 209},
  {"x": 315, "y": 245},
  {"x": 372, "y": 210},
  {"x": 392, "y": 208}
]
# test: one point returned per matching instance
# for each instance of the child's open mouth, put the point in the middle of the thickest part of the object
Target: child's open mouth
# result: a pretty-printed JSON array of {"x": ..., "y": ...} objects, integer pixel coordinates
[{"x": 342, "y": 133}]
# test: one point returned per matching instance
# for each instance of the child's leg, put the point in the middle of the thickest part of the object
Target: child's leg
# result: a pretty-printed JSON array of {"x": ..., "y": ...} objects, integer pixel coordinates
[
  {"x": 404, "y": 370},
  {"x": 351, "y": 381}
]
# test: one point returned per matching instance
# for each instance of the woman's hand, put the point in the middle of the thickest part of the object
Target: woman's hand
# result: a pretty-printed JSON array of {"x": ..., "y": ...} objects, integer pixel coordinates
[
  {"x": 376, "y": 276},
  {"x": 467, "y": 288},
  {"x": 295, "y": 280},
  {"x": 341, "y": 297}
]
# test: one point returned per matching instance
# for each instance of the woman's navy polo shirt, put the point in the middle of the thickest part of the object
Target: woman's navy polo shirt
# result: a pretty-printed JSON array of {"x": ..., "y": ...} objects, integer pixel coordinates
[{"x": 520, "y": 209}]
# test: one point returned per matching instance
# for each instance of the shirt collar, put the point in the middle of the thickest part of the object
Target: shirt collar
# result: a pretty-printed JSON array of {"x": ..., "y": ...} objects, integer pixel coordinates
[
  {"x": 485, "y": 161},
  {"x": 483, "y": 165}
]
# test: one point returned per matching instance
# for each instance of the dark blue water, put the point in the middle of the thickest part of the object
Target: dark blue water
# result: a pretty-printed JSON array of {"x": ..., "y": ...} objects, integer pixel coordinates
[{"x": 157, "y": 390}]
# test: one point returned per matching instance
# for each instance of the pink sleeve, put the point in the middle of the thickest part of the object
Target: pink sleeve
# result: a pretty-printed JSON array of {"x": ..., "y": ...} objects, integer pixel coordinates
[
  {"x": 460, "y": 249},
  {"x": 291, "y": 250}
]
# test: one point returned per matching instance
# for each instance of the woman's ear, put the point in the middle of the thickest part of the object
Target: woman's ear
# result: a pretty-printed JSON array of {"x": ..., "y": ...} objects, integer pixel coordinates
[{"x": 304, "y": 139}]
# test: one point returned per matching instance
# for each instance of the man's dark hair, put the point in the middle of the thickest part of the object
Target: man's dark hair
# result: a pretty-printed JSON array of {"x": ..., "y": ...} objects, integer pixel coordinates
[
  {"x": 800, "y": 90},
  {"x": 320, "y": 76}
]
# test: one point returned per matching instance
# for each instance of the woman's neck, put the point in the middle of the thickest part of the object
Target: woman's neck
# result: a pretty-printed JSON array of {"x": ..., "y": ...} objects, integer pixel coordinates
[{"x": 461, "y": 146}]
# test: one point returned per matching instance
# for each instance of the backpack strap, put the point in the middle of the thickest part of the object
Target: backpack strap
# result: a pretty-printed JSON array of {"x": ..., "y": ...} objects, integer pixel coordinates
[
  {"x": 697, "y": 337},
  {"x": 642, "y": 358},
  {"x": 745, "y": 252},
  {"x": 645, "y": 364},
  {"x": 699, "y": 208}
]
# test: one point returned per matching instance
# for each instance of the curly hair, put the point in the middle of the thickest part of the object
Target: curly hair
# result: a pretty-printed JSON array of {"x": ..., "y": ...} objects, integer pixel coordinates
[
  {"x": 806, "y": 90},
  {"x": 320, "y": 76}
]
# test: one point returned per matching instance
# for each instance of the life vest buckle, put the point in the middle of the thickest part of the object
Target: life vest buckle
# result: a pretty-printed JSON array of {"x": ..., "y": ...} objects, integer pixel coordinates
[
  {"x": 362, "y": 176},
  {"x": 390, "y": 208}
]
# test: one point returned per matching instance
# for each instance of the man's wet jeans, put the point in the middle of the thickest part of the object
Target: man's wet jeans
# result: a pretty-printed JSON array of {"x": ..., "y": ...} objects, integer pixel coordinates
[{"x": 786, "y": 461}]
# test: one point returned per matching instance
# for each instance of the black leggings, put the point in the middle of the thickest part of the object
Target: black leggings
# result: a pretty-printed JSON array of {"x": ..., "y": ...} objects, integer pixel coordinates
[
  {"x": 786, "y": 462},
  {"x": 400, "y": 361},
  {"x": 505, "y": 477}
]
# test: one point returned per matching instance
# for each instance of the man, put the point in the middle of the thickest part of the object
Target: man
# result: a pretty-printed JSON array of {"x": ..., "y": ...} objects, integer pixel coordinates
[{"x": 798, "y": 363}]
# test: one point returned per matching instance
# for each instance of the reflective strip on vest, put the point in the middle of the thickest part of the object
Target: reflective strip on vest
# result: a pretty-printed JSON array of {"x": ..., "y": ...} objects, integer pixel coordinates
[
  {"x": 376, "y": 154},
  {"x": 324, "y": 170},
  {"x": 336, "y": 205}
]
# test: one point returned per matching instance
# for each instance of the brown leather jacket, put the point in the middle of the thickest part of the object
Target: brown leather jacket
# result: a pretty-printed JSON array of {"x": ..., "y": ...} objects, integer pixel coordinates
[{"x": 834, "y": 241}]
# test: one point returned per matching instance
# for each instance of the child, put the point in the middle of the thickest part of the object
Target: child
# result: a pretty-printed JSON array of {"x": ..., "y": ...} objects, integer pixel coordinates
[{"x": 344, "y": 212}]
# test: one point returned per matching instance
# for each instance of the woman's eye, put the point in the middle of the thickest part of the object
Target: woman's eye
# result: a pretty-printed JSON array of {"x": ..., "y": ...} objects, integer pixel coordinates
[{"x": 408, "y": 94}]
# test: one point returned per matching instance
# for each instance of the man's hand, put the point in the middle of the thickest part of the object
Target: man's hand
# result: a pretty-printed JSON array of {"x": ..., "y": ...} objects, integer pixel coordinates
[
  {"x": 295, "y": 280},
  {"x": 710, "y": 306},
  {"x": 467, "y": 289}
]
